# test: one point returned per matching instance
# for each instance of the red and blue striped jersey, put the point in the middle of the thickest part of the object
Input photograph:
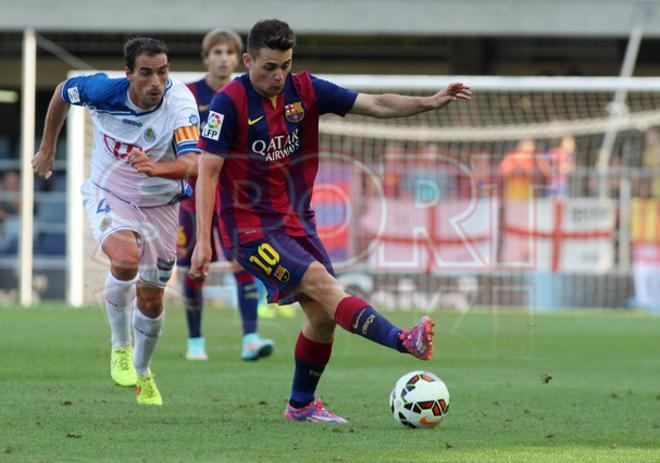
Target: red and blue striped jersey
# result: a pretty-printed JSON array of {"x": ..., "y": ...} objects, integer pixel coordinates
[
  {"x": 203, "y": 95},
  {"x": 271, "y": 154}
]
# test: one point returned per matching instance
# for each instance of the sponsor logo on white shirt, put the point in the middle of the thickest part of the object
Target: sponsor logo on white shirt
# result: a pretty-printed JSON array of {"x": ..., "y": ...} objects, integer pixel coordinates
[
  {"x": 132, "y": 122},
  {"x": 117, "y": 148}
]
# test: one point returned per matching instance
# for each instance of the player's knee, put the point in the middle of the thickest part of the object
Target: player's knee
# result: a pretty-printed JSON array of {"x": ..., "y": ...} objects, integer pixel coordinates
[
  {"x": 124, "y": 262},
  {"x": 152, "y": 308},
  {"x": 122, "y": 249},
  {"x": 124, "y": 271},
  {"x": 124, "y": 265},
  {"x": 321, "y": 327},
  {"x": 150, "y": 300},
  {"x": 319, "y": 284},
  {"x": 323, "y": 324}
]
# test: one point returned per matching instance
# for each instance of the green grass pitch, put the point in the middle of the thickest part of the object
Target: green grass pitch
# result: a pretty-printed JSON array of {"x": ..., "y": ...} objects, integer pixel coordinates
[{"x": 524, "y": 387}]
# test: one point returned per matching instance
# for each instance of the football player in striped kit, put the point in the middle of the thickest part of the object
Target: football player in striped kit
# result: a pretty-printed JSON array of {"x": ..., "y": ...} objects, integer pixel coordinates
[
  {"x": 221, "y": 50},
  {"x": 261, "y": 144}
]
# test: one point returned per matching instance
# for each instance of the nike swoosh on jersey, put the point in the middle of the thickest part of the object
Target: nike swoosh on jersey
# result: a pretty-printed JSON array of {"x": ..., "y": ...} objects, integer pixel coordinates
[
  {"x": 202, "y": 107},
  {"x": 254, "y": 121}
]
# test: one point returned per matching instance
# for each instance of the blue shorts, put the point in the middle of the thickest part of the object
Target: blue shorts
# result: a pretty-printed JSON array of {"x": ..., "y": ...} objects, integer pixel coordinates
[{"x": 280, "y": 261}]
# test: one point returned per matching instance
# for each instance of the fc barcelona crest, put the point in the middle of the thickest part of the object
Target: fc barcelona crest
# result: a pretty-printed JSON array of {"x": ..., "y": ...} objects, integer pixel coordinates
[
  {"x": 294, "y": 112},
  {"x": 282, "y": 274}
]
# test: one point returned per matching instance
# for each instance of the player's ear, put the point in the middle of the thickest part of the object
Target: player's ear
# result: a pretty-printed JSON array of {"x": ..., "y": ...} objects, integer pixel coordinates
[
  {"x": 128, "y": 72},
  {"x": 247, "y": 60}
]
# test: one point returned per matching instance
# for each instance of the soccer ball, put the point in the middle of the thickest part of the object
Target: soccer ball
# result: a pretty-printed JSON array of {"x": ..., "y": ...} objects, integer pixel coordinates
[{"x": 419, "y": 400}]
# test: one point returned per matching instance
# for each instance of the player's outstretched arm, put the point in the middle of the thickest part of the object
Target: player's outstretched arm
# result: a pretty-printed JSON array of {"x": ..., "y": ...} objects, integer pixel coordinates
[
  {"x": 42, "y": 163},
  {"x": 183, "y": 167},
  {"x": 207, "y": 182},
  {"x": 387, "y": 105}
]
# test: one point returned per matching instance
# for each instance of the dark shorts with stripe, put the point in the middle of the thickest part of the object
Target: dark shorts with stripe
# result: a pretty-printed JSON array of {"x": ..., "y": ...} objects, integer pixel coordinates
[
  {"x": 187, "y": 238},
  {"x": 280, "y": 261}
]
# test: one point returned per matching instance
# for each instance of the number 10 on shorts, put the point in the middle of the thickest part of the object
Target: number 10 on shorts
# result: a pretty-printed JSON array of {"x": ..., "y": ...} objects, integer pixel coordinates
[{"x": 265, "y": 258}]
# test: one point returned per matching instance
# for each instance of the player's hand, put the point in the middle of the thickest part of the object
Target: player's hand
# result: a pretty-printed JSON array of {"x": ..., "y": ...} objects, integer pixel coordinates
[
  {"x": 139, "y": 160},
  {"x": 454, "y": 91},
  {"x": 42, "y": 163},
  {"x": 199, "y": 262}
]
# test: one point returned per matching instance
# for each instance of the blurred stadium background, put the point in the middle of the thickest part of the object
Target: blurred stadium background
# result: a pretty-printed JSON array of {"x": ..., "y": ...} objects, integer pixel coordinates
[{"x": 543, "y": 192}]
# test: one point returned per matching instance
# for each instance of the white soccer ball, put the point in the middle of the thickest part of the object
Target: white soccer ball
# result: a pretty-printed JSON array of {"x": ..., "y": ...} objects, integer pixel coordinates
[{"x": 419, "y": 400}]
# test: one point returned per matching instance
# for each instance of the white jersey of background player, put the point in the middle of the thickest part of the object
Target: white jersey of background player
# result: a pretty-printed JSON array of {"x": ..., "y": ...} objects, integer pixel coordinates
[{"x": 145, "y": 132}]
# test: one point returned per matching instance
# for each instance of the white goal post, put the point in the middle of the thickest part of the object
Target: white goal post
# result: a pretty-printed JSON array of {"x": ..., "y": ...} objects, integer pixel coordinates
[{"x": 575, "y": 106}]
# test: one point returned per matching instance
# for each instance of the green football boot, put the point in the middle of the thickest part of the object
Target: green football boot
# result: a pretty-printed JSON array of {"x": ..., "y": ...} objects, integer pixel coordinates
[
  {"x": 122, "y": 369},
  {"x": 147, "y": 391}
]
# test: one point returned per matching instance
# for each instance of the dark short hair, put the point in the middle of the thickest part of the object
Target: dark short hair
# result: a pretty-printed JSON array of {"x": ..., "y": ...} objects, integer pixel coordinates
[
  {"x": 270, "y": 33},
  {"x": 138, "y": 45}
]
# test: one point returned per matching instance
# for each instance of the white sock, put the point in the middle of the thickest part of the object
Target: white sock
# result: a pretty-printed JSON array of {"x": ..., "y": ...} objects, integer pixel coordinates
[
  {"x": 147, "y": 332},
  {"x": 118, "y": 306}
]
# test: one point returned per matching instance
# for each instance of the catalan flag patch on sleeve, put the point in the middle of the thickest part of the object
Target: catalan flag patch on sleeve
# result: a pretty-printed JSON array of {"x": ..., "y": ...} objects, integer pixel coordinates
[{"x": 185, "y": 139}]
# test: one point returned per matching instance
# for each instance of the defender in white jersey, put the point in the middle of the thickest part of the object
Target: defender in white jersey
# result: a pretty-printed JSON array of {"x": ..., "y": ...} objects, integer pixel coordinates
[{"x": 146, "y": 127}]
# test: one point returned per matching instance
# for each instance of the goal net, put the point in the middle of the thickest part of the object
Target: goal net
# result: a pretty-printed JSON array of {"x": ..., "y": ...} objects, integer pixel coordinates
[{"x": 491, "y": 202}]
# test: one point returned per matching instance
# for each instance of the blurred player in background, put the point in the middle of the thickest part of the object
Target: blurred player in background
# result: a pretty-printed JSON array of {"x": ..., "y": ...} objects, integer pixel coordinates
[
  {"x": 221, "y": 50},
  {"x": 261, "y": 143},
  {"x": 146, "y": 127}
]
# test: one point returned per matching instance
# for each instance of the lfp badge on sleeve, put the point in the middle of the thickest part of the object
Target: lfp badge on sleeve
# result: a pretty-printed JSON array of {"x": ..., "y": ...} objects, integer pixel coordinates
[{"x": 213, "y": 126}]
